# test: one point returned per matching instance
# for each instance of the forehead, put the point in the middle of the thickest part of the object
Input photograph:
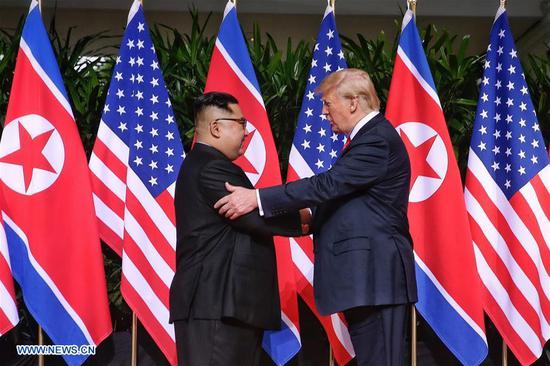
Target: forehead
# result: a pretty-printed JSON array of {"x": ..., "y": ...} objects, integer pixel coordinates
[{"x": 330, "y": 95}]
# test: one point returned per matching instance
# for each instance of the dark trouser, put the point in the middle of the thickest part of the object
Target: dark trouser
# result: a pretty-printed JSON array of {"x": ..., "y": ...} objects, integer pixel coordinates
[
  {"x": 224, "y": 342},
  {"x": 378, "y": 334}
]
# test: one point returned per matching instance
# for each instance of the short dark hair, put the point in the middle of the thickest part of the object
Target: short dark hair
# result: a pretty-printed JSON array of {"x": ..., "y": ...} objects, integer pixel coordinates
[{"x": 213, "y": 99}]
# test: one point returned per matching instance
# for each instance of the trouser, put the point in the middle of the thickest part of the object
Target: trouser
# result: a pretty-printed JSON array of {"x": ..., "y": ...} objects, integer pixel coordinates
[
  {"x": 378, "y": 334},
  {"x": 227, "y": 342}
]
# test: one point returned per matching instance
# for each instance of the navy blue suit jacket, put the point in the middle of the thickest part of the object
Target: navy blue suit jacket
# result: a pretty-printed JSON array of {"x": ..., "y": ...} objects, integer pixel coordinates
[{"x": 363, "y": 249}]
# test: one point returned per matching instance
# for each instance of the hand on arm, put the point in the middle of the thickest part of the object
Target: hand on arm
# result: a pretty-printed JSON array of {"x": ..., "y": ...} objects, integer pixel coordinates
[
  {"x": 305, "y": 219},
  {"x": 240, "y": 202}
]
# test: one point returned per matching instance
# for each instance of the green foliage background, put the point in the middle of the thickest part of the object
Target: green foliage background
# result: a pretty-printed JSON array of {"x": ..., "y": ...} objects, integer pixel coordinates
[{"x": 282, "y": 73}]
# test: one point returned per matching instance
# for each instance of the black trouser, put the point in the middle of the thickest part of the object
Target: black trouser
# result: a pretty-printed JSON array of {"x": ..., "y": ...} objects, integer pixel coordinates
[
  {"x": 378, "y": 334},
  {"x": 225, "y": 342}
]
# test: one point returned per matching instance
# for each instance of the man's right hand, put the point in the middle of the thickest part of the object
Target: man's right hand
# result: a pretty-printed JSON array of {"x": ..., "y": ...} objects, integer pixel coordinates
[{"x": 240, "y": 202}]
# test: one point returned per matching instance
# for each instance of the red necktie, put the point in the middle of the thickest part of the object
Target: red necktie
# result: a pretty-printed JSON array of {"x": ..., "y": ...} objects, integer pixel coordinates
[{"x": 346, "y": 144}]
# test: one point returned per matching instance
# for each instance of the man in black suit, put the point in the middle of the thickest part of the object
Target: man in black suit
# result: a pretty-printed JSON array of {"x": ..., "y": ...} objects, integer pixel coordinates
[
  {"x": 364, "y": 263},
  {"x": 224, "y": 293}
]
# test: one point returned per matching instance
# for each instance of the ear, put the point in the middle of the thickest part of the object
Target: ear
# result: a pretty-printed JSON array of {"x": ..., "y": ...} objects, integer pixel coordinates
[
  {"x": 353, "y": 104},
  {"x": 215, "y": 129}
]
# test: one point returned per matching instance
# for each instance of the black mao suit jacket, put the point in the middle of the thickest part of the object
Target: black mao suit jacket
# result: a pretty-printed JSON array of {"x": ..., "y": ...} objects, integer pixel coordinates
[
  {"x": 363, "y": 249},
  {"x": 224, "y": 269}
]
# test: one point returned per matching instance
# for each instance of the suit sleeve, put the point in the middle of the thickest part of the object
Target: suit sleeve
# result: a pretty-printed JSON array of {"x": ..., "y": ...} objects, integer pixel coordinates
[
  {"x": 212, "y": 184},
  {"x": 362, "y": 166}
]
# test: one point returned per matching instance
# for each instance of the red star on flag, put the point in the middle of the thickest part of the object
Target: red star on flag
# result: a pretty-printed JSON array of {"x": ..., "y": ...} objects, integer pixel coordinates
[
  {"x": 418, "y": 157},
  {"x": 29, "y": 155}
]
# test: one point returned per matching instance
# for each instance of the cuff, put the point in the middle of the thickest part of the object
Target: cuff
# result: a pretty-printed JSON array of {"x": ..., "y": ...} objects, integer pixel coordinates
[{"x": 261, "y": 211}]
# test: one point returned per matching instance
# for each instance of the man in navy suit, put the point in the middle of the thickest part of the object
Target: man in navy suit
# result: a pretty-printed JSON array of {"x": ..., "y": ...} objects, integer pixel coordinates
[{"x": 364, "y": 263}]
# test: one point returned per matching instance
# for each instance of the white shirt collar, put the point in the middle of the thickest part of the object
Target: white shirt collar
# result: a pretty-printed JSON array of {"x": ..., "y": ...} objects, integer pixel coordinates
[{"x": 363, "y": 121}]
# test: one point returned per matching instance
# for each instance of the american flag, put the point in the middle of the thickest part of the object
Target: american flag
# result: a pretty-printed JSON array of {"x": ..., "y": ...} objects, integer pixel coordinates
[
  {"x": 508, "y": 202},
  {"x": 135, "y": 162},
  {"x": 314, "y": 149},
  {"x": 8, "y": 308}
]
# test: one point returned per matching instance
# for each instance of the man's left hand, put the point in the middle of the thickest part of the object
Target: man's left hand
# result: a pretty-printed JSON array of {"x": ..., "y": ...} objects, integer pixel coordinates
[{"x": 240, "y": 202}]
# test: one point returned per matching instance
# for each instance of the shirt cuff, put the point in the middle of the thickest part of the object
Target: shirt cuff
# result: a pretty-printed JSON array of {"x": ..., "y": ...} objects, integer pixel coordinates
[{"x": 261, "y": 211}]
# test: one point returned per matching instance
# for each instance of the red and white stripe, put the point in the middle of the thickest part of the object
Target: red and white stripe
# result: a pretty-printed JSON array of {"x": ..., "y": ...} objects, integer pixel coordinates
[
  {"x": 511, "y": 241},
  {"x": 140, "y": 228},
  {"x": 8, "y": 307},
  {"x": 303, "y": 262}
]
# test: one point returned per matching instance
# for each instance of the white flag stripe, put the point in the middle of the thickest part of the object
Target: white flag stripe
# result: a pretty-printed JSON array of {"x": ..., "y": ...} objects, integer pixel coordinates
[
  {"x": 133, "y": 11},
  {"x": 544, "y": 175},
  {"x": 297, "y": 162},
  {"x": 159, "y": 265},
  {"x": 449, "y": 298},
  {"x": 4, "y": 245},
  {"x": 46, "y": 278},
  {"x": 146, "y": 293},
  {"x": 116, "y": 146},
  {"x": 501, "y": 297},
  {"x": 238, "y": 72},
  {"x": 342, "y": 333},
  {"x": 45, "y": 78},
  {"x": 301, "y": 260},
  {"x": 172, "y": 189},
  {"x": 427, "y": 87},
  {"x": 106, "y": 175},
  {"x": 498, "y": 243},
  {"x": 153, "y": 209},
  {"x": 291, "y": 326},
  {"x": 518, "y": 227},
  {"x": 528, "y": 192},
  {"x": 7, "y": 305},
  {"x": 109, "y": 217}
]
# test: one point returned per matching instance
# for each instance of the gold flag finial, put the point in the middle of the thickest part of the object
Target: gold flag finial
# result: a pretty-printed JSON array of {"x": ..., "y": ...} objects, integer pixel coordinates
[
  {"x": 503, "y": 3},
  {"x": 412, "y": 5}
]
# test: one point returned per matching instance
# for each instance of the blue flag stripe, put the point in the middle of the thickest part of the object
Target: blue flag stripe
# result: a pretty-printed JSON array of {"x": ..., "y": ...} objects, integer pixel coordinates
[
  {"x": 42, "y": 303},
  {"x": 467, "y": 345},
  {"x": 233, "y": 41},
  {"x": 36, "y": 37},
  {"x": 411, "y": 44}
]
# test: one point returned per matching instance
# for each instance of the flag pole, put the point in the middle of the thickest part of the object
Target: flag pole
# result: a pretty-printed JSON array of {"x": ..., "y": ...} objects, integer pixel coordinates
[
  {"x": 413, "y": 335},
  {"x": 134, "y": 339},
  {"x": 504, "y": 351},
  {"x": 40, "y": 343},
  {"x": 412, "y": 5}
]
